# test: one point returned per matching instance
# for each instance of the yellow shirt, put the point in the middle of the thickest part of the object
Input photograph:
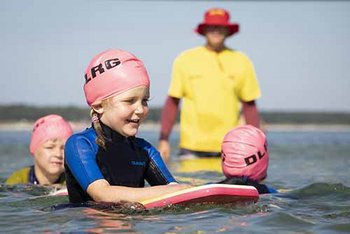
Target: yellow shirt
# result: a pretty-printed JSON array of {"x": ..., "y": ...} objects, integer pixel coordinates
[
  {"x": 26, "y": 175},
  {"x": 20, "y": 176},
  {"x": 212, "y": 86}
]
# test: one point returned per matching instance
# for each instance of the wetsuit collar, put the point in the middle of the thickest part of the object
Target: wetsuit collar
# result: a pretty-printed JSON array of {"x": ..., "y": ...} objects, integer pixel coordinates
[
  {"x": 34, "y": 180},
  {"x": 112, "y": 135},
  {"x": 32, "y": 177}
]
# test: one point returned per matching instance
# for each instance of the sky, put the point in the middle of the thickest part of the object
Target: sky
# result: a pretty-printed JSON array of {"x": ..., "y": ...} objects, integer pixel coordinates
[{"x": 300, "y": 49}]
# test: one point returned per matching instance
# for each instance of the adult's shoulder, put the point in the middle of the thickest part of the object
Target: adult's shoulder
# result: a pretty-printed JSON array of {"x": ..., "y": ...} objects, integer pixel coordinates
[
  {"x": 237, "y": 53},
  {"x": 189, "y": 53}
]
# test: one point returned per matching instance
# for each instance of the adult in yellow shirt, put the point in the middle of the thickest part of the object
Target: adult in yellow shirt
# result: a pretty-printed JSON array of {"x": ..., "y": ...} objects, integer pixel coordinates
[{"x": 216, "y": 84}]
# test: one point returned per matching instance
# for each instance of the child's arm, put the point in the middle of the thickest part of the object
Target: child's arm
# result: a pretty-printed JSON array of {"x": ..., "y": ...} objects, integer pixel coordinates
[{"x": 102, "y": 191}]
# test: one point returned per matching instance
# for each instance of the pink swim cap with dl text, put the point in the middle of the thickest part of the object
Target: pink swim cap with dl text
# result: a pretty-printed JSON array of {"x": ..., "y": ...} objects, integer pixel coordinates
[
  {"x": 112, "y": 72},
  {"x": 244, "y": 153},
  {"x": 49, "y": 127}
]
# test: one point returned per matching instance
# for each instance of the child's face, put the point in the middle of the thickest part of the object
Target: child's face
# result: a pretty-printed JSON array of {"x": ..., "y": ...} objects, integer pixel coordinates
[
  {"x": 125, "y": 112},
  {"x": 49, "y": 158}
]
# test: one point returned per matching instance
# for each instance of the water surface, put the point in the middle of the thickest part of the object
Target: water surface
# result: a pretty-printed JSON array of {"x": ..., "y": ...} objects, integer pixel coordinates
[{"x": 310, "y": 167}]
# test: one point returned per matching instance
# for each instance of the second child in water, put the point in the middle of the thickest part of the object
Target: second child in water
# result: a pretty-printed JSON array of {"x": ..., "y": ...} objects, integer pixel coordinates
[
  {"x": 245, "y": 158},
  {"x": 107, "y": 162}
]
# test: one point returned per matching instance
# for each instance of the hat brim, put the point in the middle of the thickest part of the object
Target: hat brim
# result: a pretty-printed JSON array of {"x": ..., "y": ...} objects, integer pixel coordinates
[{"x": 233, "y": 28}]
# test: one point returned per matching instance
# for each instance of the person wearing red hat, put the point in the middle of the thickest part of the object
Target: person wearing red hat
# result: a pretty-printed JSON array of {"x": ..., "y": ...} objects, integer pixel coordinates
[
  {"x": 47, "y": 142},
  {"x": 215, "y": 83}
]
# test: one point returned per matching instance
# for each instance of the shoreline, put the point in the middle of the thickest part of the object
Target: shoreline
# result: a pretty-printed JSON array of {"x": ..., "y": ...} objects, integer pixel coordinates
[{"x": 150, "y": 126}]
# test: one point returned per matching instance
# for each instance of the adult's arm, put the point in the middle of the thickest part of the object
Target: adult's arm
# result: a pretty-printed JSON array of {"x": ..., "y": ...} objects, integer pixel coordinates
[
  {"x": 251, "y": 113},
  {"x": 168, "y": 118}
]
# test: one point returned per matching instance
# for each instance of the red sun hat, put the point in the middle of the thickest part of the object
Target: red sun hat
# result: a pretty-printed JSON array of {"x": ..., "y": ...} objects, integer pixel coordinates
[{"x": 217, "y": 17}]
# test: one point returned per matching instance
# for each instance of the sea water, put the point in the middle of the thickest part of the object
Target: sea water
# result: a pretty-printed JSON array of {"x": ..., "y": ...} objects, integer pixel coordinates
[{"x": 309, "y": 167}]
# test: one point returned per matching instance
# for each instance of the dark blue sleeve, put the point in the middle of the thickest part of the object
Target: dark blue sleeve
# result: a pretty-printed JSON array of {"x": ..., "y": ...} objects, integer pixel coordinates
[
  {"x": 158, "y": 172},
  {"x": 80, "y": 157},
  {"x": 272, "y": 190},
  {"x": 244, "y": 180}
]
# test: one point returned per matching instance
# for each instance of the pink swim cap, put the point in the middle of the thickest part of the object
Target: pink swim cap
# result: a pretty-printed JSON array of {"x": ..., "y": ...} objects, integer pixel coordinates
[
  {"x": 112, "y": 72},
  {"x": 244, "y": 153},
  {"x": 49, "y": 127}
]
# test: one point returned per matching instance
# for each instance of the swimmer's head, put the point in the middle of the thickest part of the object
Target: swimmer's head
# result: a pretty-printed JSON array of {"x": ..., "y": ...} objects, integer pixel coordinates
[
  {"x": 49, "y": 127},
  {"x": 113, "y": 72},
  {"x": 244, "y": 153}
]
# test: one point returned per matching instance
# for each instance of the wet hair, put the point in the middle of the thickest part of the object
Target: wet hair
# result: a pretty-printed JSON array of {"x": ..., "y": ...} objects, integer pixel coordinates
[{"x": 95, "y": 119}]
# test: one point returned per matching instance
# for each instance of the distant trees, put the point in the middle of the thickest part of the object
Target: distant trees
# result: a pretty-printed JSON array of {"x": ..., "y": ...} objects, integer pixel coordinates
[
  {"x": 31, "y": 113},
  {"x": 10, "y": 113},
  {"x": 306, "y": 117}
]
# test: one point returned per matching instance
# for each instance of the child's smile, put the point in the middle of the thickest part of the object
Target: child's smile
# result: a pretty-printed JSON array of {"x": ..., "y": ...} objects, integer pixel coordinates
[{"x": 125, "y": 112}]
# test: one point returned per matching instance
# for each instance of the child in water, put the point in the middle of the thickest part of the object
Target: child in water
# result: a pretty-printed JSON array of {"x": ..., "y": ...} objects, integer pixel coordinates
[
  {"x": 107, "y": 162},
  {"x": 47, "y": 148},
  {"x": 245, "y": 158}
]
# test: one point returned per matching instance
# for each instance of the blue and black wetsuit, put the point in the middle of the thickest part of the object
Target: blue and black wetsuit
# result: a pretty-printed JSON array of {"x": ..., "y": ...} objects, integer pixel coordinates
[
  {"x": 125, "y": 161},
  {"x": 262, "y": 188}
]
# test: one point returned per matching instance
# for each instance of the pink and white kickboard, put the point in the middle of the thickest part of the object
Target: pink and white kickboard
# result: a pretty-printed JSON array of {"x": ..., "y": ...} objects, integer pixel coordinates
[{"x": 210, "y": 194}]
